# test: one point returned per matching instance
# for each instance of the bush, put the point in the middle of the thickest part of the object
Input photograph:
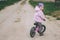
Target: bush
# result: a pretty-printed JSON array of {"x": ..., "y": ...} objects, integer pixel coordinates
[{"x": 58, "y": 18}]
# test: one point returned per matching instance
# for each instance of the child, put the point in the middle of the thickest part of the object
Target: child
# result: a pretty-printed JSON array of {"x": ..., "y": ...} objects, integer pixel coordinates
[{"x": 39, "y": 16}]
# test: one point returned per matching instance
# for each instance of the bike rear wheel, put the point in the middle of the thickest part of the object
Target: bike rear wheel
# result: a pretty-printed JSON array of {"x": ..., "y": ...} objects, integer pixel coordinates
[{"x": 42, "y": 30}]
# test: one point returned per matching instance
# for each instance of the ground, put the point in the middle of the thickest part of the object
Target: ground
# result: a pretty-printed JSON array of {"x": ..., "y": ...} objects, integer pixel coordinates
[{"x": 16, "y": 21}]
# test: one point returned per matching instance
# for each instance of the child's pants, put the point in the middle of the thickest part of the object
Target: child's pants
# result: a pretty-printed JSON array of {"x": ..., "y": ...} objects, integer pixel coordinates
[{"x": 40, "y": 26}]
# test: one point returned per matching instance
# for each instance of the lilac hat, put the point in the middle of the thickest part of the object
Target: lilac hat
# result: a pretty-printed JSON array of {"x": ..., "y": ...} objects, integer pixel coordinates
[{"x": 40, "y": 4}]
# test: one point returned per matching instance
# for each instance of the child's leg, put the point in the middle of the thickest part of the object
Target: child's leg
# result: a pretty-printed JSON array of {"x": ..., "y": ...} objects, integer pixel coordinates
[{"x": 40, "y": 28}]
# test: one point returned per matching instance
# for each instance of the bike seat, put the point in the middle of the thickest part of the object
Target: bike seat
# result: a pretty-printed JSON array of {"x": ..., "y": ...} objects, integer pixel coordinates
[{"x": 35, "y": 23}]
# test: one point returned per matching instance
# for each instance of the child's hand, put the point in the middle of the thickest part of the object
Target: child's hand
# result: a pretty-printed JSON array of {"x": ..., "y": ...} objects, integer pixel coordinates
[{"x": 44, "y": 20}]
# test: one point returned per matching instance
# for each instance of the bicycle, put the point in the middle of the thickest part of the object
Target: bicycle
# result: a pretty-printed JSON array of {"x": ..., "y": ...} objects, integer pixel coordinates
[{"x": 37, "y": 29}]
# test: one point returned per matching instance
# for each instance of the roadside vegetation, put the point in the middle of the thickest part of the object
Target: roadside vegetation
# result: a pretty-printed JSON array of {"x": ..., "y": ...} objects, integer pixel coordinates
[{"x": 50, "y": 7}]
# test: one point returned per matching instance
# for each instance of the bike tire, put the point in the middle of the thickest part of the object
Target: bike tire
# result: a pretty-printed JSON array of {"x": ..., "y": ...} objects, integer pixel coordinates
[
  {"x": 44, "y": 29},
  {"x": 32, "y": 32}
]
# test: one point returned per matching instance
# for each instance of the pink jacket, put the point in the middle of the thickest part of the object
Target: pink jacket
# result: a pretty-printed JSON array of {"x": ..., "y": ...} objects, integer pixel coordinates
[{"x": 39, "y": 15}]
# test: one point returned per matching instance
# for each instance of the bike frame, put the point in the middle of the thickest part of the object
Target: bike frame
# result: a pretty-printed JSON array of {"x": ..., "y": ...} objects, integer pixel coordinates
[{"x": 37, "y": 28}]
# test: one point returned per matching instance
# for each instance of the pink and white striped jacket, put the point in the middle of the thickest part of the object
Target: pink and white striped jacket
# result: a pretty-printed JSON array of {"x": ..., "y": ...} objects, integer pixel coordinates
[{"x": 39, "y": 15}]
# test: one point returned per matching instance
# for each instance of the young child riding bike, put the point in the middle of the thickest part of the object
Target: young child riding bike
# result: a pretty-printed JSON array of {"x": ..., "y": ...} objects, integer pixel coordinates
[{"x": 39, "y": 16}]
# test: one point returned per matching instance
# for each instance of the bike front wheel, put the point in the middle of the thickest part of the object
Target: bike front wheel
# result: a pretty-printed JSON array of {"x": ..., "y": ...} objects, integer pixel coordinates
[{"x": 32, "y": 32}]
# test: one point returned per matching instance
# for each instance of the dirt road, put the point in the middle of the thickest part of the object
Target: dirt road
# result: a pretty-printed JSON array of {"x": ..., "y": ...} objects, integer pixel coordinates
[{"x": 16, "y": 21}]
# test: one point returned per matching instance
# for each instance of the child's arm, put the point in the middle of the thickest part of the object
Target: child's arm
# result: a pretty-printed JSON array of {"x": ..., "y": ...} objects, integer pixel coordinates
[{"x": 42, "y": 16}]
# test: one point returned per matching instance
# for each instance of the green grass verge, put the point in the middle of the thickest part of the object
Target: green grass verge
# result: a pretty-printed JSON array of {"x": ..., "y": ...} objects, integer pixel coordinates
[{"x": 3, "y": 4}]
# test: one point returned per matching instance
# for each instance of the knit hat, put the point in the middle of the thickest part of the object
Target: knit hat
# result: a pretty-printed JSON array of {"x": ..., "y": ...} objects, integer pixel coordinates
[{"x": 40, "y": 4}]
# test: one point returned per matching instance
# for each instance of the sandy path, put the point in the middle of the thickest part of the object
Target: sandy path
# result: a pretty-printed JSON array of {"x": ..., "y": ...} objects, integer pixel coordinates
[{"x": 16, "y": 21}]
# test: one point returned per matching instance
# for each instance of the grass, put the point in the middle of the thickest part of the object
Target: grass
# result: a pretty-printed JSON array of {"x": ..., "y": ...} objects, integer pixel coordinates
[
  {"x": 49, "y": 6},
  {"x": 3, "y": 4},
  {"x": 58, "y": 18}
]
